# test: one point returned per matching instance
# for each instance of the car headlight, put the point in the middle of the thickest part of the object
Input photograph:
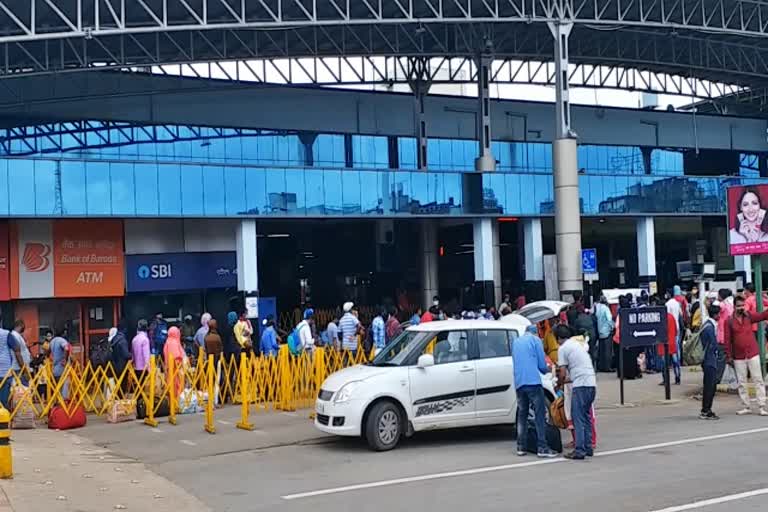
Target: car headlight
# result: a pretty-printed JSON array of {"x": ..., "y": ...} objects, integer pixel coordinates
[{"x": 346, "y": 392}]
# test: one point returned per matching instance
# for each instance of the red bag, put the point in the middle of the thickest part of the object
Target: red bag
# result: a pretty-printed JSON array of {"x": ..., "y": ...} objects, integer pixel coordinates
[{"x": 58, "y": 419}]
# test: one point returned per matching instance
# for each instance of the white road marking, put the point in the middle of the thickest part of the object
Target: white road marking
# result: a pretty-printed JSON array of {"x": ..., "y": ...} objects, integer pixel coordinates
[
  {"x": 505, "y": 467},
  {"x": 156, "y": 430},
  {"x": 188, "y": 442},
  {"x": 714, "y": 501},
  {"x": 223, "y": 422}
]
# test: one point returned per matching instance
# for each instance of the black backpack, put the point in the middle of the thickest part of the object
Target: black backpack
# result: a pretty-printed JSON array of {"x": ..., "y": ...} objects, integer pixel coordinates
[{"x": 101, "y": 353}]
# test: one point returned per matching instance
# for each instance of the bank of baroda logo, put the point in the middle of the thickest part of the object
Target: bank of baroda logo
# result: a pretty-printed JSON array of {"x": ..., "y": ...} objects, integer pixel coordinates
[{"x": 36, "y": 257}]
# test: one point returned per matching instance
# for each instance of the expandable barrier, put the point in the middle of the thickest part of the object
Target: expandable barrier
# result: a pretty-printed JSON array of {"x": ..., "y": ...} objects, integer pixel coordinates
[{"x": 262, "y": 383}]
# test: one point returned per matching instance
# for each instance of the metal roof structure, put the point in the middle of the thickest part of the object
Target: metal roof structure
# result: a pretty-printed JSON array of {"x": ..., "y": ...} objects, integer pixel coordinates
[{"x": 703, "y": 42}]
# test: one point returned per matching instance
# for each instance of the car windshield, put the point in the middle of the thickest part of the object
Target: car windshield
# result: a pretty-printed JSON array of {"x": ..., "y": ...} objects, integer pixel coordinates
[{"x": 399, "y": 349}]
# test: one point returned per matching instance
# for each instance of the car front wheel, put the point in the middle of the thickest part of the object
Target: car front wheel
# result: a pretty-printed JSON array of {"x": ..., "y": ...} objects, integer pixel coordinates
[{"x": 383, "y": 427}]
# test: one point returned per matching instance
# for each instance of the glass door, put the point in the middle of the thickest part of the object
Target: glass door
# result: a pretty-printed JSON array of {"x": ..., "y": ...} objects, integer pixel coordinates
[{"x": 98, "y": 316}]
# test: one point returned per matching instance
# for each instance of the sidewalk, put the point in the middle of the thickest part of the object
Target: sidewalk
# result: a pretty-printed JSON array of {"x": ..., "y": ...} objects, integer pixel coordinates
[{"x": 64, "y": 472}]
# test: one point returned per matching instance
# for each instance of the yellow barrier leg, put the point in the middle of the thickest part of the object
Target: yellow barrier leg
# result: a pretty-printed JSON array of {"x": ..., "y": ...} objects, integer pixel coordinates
[
  {"x": 319, "y": 374},
  {"x": 150, "y": 419},
  {"x": 6, "y": 457},
  {"x": 209, "y": 425},
  {"x": 172, "y": 391},
  {"x": 244, "y": 395},
  {"x": 286, "y": 382}
]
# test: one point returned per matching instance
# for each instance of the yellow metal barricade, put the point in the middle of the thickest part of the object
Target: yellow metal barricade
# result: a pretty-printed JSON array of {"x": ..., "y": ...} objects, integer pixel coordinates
[
  {"x": 244, "y": 422},
  {"x": 210, "y": 427}
]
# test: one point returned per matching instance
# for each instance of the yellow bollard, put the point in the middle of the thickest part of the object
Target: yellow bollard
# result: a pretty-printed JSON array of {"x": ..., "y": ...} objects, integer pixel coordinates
[
  {"x": 150, "y": 419},
  {"x": 6, "y": 457},
  {"x": 209, "y": 425},
  {"x": 319, "y": 373},
  {"x": 172, "y": 391},
  {"x": 245, "y": 399}
]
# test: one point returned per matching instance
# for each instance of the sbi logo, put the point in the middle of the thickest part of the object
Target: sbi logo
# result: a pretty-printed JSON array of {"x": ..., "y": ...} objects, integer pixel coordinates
[{"x": 162, "y": 271}]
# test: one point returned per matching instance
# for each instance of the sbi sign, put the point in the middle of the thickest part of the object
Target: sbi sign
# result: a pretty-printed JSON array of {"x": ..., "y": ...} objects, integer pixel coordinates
[{"x": 160, "y": 271}]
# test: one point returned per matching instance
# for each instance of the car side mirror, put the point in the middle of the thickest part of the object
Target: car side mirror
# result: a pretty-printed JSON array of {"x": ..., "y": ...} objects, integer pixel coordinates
[{"x": 426, "y": 360}]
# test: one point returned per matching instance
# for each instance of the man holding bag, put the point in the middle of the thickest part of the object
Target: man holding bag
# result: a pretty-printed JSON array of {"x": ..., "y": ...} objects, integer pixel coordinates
[{"x": 741, "y": 348}]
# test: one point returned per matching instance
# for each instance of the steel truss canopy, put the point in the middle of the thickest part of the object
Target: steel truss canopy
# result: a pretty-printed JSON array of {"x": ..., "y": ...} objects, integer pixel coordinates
[{"x": 702, "y": 41}]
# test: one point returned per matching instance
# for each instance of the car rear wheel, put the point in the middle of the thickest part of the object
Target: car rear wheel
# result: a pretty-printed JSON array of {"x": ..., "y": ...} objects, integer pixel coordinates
[{"x": 383, "y": 427}]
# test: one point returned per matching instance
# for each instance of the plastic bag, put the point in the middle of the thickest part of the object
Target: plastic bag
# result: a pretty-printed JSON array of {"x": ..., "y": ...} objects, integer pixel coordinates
[{"x": 729, "y": 378}]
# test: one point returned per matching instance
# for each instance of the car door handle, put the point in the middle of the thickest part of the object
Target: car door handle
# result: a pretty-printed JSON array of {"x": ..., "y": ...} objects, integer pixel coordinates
[{"x": 467, "y": 369}]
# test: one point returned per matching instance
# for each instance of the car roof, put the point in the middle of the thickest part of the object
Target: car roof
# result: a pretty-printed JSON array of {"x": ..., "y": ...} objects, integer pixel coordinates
[
  {"x": 459, "y": 325},
  {"x": 515, "y": 319}
]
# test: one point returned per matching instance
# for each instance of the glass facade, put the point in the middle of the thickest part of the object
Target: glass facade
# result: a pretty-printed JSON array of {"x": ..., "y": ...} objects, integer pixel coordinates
[
  {"x": 68, "y": 187},
  {"x": 93, "y": 169}
]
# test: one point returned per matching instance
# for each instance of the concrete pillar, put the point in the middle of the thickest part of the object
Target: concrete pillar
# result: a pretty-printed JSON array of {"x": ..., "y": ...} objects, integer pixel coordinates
[
  {"x": 533, "y": 253},
  {"x": 646, "y": 253},
  {"x": 429, "y": 261},
  {"x": 487, "y": 265},
  {"x": 247, "y": 265},
  {"x": 485, "y": 160},
  {"x": 566, "y": 176},
  {"x": 743, "y": 267}
]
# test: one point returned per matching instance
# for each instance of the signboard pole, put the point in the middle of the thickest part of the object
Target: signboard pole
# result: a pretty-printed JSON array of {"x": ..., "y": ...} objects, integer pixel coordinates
[
  {"x": 761, "y": 326},
  {"x": 621, "y": 371}
]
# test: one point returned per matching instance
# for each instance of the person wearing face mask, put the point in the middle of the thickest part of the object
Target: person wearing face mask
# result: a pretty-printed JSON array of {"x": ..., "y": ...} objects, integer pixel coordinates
[
  {"x": 742, "y": 350},
  {"x": 750, "y": 224}
]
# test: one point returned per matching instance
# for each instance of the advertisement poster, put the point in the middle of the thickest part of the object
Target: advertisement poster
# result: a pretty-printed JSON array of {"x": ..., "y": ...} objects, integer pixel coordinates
[
  {"x": 67, "y": 258},
  {"x": 747, "y": 220}
]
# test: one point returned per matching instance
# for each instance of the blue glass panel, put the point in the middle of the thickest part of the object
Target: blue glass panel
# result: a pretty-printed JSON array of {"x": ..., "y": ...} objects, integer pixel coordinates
[
  {"x": 214, "y": 190},
  {"x": 452, "y": 193},
  {"x": 400, "y": 192},
  {"x": 332, "y": 191},
  {"x": 148, "y": 189},
  {"x": 45, "y": 187},
  {"x": 328, "y": 150},
  {"x": 98, "y": 188},
  {"x": 350, "y": 192},
  {"x": 315, "y": 197},
  {"x": 371, "y": 184},
  {"x": 234, "y": 154},
  {"x": 235, "y": 189},
  {"x": 192, "y": 190},
  {"x": 21, "y": 180},
  {"x": 295, "y": 192},
  {"x": 73, "y": 191},
  {"x": 256, "y": 191},
  {"x": 407, "y": 152},
  {"x": 4, "y": 190},
  {"x": 419, "y": 191},
  {"x": 123, "y": 189},
  {"x": 169, "y": 189},
  {"x": 370, "y": 152},
  {"x": 217, "y": 150},
  {"x": 279, "y": 202},
  {"x": 512, "y": 203}
]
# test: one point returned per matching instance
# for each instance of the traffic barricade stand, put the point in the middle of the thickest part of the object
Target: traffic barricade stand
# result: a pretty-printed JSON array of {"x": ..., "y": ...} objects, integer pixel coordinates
[
  {"x": 319, "y": 367},
  {"x": 173, "y": 393},
  {"x": 209, "y": 425},
  {"x": 286, "y": 382},
  {"x": 150, "y": 419},
  {"x": 6, "y": 457},
  {"x": 245, "y": 397}
]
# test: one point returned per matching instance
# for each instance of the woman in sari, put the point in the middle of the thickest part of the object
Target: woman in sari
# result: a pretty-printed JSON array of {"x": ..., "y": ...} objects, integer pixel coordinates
[{"x": 174, "y": 351}]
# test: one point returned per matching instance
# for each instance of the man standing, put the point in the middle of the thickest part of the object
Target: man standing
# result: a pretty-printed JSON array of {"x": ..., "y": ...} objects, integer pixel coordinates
[
  {"x": 378, "y": 330},
  {"x": 741, "y": 348},
  {"x": 349, "y": 326},
  {"x": 574, "y": 361},
  {"x": 10, "y": 352},
  {"x": 604, "y": 330},
  {"x": 529, "y": 364},
  {"x": 708, "y": 337},
  {"x": 393, "y": 327},
  {"x": 304, "y": 329}
]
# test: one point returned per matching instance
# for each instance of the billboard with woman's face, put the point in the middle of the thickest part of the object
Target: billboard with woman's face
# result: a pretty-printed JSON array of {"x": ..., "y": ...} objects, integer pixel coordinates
[{"x": 747, "y": 220}]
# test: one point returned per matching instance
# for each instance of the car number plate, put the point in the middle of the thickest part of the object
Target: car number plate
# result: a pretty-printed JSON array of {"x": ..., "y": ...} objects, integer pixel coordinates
[{"x": 320, "y": 407}]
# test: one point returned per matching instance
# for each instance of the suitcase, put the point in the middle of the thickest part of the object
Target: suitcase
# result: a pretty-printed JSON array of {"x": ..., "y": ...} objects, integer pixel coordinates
[
  {"x": 141, "y": 409},
  {"x": 58, "y": 419},
  {"x": 122, "y": 410}
]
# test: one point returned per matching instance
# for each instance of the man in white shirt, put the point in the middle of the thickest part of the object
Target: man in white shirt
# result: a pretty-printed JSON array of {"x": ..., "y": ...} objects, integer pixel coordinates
[
  {"x": 573, "y": 357},
  {"x": 305, "y": 331}
]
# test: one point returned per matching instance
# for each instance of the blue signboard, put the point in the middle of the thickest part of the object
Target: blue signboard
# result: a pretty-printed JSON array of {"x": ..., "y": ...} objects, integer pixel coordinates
[
  {"x": 180, "y": 271},
  {"x": 589, "y": 261}
]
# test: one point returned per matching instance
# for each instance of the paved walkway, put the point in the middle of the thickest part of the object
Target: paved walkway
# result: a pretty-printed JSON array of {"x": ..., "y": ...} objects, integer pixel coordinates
[{"x": 64, "y": 472}]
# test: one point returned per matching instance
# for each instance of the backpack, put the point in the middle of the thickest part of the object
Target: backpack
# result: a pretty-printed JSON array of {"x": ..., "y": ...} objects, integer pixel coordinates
[
  {"x": 101, "y": 353},
  {"x": 159, "y": 332},
  {"x": 294, "y": 341}
]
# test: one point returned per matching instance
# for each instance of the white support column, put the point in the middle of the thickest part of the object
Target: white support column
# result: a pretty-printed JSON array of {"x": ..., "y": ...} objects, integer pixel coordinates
[
  {"x": 487, "y": 272},
  {"x": 533, "y": 246},
  {"x": 646, "y": 253},
  {"x": 247, "y": 265},
  {"x": 743, "y": 267},
  {"x": 429, "y": 262}
]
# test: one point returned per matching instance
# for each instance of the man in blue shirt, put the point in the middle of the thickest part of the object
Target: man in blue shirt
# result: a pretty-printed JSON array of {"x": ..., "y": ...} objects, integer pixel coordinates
[
  {"x": 270, "y": 345},
  {"x": 10, "y": 352},
  {"x": 529, "y": 364},
  {"x": 378, "y": 332}
]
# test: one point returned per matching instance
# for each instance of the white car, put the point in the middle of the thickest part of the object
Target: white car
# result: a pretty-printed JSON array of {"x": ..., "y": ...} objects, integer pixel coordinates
[{"x": 436, "y": 375}]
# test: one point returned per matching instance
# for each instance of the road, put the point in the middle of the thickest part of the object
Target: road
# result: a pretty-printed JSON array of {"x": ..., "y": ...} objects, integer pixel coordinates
[{"x": 649, "y": 459}]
